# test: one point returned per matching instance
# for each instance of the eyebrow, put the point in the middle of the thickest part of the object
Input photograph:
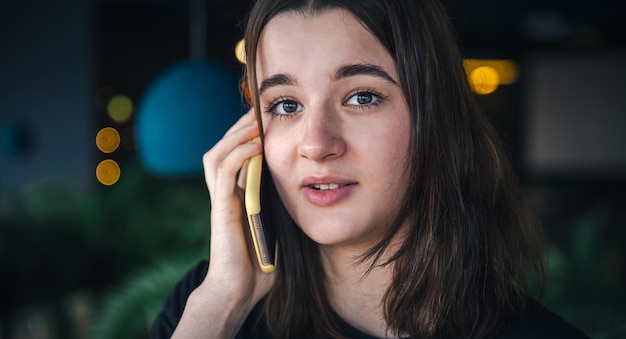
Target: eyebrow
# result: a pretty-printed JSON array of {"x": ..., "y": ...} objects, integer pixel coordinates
[
  {"x": 363, "y": 69},
  {"x": 341, "y": 73},
  {"x": 276, "y": 80}
]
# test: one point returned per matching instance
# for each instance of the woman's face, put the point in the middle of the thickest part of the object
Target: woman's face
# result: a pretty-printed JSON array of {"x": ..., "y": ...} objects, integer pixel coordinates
[{"x": 336, "y": 124}]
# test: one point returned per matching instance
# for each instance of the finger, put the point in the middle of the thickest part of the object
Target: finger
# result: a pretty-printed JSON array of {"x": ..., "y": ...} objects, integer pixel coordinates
[
  {"x": 234, "y": 162},
  {"x": 243, "y": 174},
  {"x": 224, "y": 147},
  {"x": 226, "y": 170}
]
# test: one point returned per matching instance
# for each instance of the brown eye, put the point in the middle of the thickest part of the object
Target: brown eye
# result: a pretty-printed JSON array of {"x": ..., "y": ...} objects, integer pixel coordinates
[
  {"x": 289, "y": 106},
  {"x": 364, "y": 98},
  {"x": 284, "y": 107}
]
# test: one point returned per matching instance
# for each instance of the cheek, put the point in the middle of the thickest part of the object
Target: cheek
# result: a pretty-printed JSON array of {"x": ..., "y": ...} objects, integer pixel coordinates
[
  {"x": 276, "y": 153},
  {"x": 275, "y": 150},
  {"x": 389, "y": 140},
  {"x": 397, "y": 151}
]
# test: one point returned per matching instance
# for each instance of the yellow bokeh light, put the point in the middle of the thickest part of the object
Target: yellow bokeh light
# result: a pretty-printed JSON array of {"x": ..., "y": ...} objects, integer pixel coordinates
[
  {"x": 484, "y": 80},
  {"x": 240, "y": 51},
  {"x": 108, "y": 172},
  {"x": 108, "y": 140},
  {"x": 120, "y": 108},
  {"x": 508, "y": 70}
]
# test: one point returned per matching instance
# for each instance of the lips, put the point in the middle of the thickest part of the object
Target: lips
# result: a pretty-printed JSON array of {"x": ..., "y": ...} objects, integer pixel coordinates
[{"x": 327, "y": 191}]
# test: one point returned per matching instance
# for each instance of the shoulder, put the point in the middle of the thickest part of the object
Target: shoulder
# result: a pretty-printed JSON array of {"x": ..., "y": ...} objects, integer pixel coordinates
[
  {"x": 172, "y": 310},
  {"x": 255, "y": 326},
  {"x": 538, "y": 322}
]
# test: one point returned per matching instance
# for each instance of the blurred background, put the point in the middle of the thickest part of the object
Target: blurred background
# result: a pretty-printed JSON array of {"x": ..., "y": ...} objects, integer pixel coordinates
[{"x": 107, "y": 105}]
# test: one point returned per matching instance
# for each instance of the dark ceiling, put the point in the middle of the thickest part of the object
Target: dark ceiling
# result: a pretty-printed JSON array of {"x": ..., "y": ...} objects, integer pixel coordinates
[{"x": 141, "y": 37}]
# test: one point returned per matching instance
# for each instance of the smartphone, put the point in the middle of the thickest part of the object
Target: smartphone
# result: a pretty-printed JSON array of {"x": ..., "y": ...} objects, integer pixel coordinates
[{"x": 262, "y": 230}]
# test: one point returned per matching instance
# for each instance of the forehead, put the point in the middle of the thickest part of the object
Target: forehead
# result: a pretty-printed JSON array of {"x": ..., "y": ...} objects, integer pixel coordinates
[{"x": 293, "y": 42}]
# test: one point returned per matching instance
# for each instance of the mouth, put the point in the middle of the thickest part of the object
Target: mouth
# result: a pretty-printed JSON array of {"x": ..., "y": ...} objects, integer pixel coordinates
[
  {"x": 326, "y": 187},
  {"x": 327, "y": 191}
]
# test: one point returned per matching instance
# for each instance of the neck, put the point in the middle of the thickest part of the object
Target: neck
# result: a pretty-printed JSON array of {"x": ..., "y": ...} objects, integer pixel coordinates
[{"x": 355, "y": 294}]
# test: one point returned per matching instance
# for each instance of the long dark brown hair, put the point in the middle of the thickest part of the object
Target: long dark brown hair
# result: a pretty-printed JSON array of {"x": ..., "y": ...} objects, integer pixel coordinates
[{"x": 462, "y": 267}]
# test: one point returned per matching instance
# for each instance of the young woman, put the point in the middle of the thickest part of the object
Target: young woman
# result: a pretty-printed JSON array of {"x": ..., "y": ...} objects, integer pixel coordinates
[{"x": 398, "y": 212}]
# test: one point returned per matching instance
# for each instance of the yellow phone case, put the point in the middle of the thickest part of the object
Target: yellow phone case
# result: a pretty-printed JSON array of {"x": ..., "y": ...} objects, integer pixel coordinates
[{"x": 253, "y": 210}]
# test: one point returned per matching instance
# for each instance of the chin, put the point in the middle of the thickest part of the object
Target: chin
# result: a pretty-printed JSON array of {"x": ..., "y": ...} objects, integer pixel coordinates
[
  {"x": 321, "y": 233},
  {"x": 332, "y": 234}
]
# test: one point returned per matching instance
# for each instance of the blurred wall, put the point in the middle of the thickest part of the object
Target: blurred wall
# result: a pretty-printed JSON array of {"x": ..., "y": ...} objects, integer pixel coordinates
[
  {"x": 46, "y": 80},
  {"x": 576, "y": 114}
]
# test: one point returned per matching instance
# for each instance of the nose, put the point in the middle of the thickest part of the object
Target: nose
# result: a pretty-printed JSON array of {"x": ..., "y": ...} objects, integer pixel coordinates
[{"x": 321, "y": 138}]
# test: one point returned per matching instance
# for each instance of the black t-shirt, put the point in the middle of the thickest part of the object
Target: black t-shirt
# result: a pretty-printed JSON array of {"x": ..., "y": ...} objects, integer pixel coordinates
[{"x": 537, "y": 322}]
